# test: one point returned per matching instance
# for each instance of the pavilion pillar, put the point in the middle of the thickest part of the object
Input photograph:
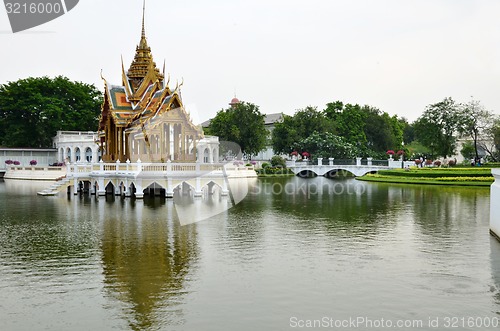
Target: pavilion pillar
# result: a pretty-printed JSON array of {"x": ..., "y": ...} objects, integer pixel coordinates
[
  {"x": 162, "y": 143},
  {"x": 176, "y": 142},
  {"x": 183, "y": 144},
  {"x": 127, "y": 147}
]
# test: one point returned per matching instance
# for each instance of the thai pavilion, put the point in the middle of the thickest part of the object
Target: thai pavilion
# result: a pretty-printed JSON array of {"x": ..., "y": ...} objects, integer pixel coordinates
[{"x": 143, "y": 118}]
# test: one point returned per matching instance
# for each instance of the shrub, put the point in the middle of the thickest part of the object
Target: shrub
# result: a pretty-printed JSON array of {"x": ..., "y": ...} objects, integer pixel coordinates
[
  {"x": 265, "y": 165},
  {"x": 33, "y": 163},
  {"x": 428, "y": 162},
  {"x": 437, "y": 163},
  {"x": 274, "y": 171},
  {"x": 16, "y": 162},
  {"x": 9, "y": 162},
  {"x": 452, "y": 163},
  {"x": 418, "y": 161},
  {"x": 278, "y": 161}
]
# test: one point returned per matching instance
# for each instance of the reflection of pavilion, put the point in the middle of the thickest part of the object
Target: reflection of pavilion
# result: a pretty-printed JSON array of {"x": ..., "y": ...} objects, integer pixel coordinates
[{"x": 146, "y": 260}]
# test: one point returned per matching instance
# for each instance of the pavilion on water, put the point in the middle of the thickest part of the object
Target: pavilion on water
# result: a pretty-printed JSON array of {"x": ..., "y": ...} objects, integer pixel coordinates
[{"x": 143, "y": 118}]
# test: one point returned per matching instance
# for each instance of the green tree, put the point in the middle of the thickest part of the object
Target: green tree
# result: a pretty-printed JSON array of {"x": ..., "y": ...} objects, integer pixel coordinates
[
  {"x": 366, "y": 127},
  {"x": 242, "y": 124},
  {"x": 278, "y": 161},
  {"x": 349, "y": 121},
  {"x": 310, "y": 120},
  {"x": 436, "y": 128},
  {"x": 327, "y": 145},
  {"x": 32, "y": 110},
  {"x": 284, "y": 135},
  {"x": 491, "y": 141},
  {"x": 408, "y": 131},
  {"x": 383, "y": 132},
  {"x": 299, "y": 126},
  {"x": 475, "y": 122},
  {"x": 468, "y": 151}
]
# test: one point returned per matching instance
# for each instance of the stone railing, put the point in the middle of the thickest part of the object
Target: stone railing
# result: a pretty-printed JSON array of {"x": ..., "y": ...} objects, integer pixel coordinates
[
  {"x": 85, "y": 169},
  {"x": 358, "y": 161}
]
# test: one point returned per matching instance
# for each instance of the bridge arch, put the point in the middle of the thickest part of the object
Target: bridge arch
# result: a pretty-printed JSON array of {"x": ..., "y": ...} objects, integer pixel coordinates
[
  {"x": 306, "y": 173},
  {"x": 329, "y": 171}
]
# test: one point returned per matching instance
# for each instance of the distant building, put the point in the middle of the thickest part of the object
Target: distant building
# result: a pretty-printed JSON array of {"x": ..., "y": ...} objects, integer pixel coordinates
[{"x": 270, "y": 122}]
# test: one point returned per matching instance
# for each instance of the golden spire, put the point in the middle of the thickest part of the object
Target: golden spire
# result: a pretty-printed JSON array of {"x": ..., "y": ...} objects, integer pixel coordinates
[
  {"x": 143, "y": 59},
  {"x": 143, "y": 35},
  {"x": 143, "y": 43}
]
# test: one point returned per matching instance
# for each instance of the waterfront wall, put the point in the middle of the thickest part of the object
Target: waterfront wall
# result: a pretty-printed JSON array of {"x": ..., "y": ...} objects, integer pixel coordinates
[
  {"x": 494, "y": 208},
  {"x": 35, "y": 173},
  {"x": 44, "y": 157}
]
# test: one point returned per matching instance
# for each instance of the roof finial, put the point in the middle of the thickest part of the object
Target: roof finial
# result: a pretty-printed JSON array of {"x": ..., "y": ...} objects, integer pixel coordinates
[{"x": 143, "y": 35}]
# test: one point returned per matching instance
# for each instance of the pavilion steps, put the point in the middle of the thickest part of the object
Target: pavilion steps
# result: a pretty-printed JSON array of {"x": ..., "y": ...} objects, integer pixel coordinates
[{"x": 55, "y": 188}]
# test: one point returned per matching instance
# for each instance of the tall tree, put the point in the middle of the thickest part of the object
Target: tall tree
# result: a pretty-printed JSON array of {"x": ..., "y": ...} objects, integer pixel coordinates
[
  {"x": 383, "y": 132},
  {"x": 349, "y": 121},
  {"x": 491, "y": 141},
  {"x": 475, "y": 122},
  {"x": 310, "y": 120},
  {"x": 242, "y": 124},
  {"x": 408, "y": 131},
  {"x": 327, "y": 145},
  {"x": 284, "y": 135},
  {"x": 436, "y": 128},
  {"x": 299, "y": 126},
  {"x": 32, "y": 110}
]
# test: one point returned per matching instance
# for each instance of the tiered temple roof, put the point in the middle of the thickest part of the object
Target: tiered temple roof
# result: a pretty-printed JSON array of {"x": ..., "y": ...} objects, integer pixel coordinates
[{"x": 139, "y": 100}]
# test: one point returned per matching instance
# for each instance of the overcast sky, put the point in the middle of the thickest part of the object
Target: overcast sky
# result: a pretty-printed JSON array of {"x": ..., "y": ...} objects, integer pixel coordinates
[{"x": 283, "y": 55}]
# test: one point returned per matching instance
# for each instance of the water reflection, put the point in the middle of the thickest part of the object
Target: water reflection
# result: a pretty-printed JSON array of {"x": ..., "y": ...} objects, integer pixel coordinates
[
  {"x": 341, "y": 207},
  {"x": 316, "y": 247},
  {"x": 146, "y": 258}
]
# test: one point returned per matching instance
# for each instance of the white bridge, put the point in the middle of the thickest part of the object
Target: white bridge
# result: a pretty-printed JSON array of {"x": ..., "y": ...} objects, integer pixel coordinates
[{"x": 358, "y": 167}]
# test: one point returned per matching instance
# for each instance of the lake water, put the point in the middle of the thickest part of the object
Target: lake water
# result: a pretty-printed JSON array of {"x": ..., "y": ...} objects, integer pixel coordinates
[{"x": 295, "y": 254}]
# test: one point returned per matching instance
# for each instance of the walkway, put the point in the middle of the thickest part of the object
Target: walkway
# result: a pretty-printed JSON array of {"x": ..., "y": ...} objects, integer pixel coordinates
[{"x": 358, "y": 168}]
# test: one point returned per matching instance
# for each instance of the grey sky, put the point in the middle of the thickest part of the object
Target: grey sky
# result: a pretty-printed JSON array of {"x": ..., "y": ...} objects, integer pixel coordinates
[{"x": 397, "y": 55}]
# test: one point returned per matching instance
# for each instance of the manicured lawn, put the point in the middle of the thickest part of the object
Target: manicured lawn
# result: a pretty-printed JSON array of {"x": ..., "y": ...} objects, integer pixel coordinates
[{"x": 474, "y": 176}]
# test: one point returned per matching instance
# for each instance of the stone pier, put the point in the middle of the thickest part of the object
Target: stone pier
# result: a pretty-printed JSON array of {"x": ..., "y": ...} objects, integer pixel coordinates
[{"x": 494, "y": 208}]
